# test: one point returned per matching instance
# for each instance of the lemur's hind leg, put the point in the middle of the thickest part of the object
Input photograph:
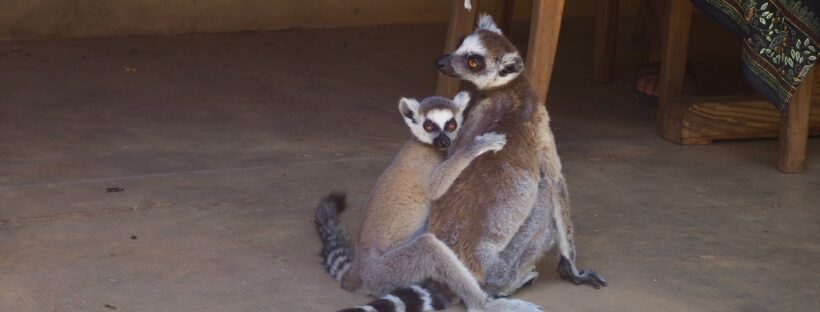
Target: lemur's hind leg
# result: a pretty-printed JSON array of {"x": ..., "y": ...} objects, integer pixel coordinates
[
  {"x": 422, "y": 258},
  {"x": 566, "y": 244},
  {"x": 516, "y": 265},
  {"x": 427, "y": 257}
]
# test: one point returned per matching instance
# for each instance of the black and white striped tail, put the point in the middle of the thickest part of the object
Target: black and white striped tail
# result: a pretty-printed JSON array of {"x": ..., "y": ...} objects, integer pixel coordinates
[
  {"x": 406, "y": 299},
  {"x": 337, "y": 252}
]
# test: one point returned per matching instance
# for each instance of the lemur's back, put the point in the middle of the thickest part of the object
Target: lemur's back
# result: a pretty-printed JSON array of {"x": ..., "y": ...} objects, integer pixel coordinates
[
  {"x": 499, "y": 187},
  {"x": 399, "y": 205}
]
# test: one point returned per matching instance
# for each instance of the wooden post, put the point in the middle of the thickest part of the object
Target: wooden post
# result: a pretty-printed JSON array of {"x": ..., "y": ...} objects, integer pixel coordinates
[
  {"x": 675, "y": 42},
  {"x": 606, "y": 34},
  {"x": 507, "y": 13},
  {"x": 639, "y": 32},
  {"x": 794, "y": 129},
  {"x": 461, "y": 23},
  {"x": 544, "y": 29}
]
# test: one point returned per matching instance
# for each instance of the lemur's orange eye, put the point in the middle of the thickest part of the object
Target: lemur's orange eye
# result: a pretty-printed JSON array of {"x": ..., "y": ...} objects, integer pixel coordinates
[
  {"x": 472, "y": 63},
  {"x": 452, "y": 125},
  {"x": 429, "y": 126}
]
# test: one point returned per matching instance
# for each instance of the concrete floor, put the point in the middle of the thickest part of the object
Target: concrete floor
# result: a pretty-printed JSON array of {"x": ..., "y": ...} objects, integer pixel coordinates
[{"x": 224, "y": 144}]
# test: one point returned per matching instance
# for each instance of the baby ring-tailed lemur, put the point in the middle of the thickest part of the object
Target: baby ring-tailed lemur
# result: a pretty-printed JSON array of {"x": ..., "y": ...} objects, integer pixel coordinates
[
  {"x": 393, "y": 249},
  {"x": 506, "y": 209}
]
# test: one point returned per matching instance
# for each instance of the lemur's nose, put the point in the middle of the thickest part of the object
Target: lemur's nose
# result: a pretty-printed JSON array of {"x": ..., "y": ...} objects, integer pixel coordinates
[
  {"x": 442, "y": 141},
  {"x": 441, "y": 62}
]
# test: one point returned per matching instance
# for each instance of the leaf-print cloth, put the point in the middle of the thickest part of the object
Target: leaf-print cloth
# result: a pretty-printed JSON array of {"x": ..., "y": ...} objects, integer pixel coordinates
[{"x": 780, "y": 41}]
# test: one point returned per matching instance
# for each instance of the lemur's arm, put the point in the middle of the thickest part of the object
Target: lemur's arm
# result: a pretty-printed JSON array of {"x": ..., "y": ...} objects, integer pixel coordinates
[{"x": 448, "y": 171}]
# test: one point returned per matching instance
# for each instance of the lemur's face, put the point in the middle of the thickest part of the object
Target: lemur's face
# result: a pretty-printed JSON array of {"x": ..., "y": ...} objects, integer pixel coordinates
[
  {"x": 435, "y": 120},
  {"x": 486, "y": 58}
]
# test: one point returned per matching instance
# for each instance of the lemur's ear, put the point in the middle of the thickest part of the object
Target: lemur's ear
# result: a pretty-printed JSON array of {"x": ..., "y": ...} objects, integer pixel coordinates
[
  {"x": 485, "y": 22},
  {"x": 409, "y": 108},
  {"x": 511, "y": 63},
  {"x": 462, "y": 99}
]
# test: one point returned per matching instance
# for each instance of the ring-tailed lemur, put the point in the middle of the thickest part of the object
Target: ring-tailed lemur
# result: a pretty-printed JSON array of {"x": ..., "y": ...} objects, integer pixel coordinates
[
  {"x": 506, "y": 209},
  {"x": 393, "y": 249}
]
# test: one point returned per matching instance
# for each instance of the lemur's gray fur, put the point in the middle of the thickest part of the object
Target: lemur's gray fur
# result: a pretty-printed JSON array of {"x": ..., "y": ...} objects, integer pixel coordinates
[
  {"x": 506, "y": 209},
  {"x": 393, "y": 249}
]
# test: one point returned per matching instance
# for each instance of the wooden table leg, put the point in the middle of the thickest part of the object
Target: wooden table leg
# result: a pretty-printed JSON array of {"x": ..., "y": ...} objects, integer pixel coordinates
[
  {"x": 507, "y": 13},
  {"x": 544, "y": 29},
  {"x": 606, "y": 34},
  {"x": 461, "y": 23},
  {"x": 639, "y": 31},
  {"x": 675, "y": 42},
  {"x": 794, "y": 129}
]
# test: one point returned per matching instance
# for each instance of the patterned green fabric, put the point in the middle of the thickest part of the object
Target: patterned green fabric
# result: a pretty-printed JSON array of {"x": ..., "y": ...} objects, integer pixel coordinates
[{"x": 780, "y": 41}]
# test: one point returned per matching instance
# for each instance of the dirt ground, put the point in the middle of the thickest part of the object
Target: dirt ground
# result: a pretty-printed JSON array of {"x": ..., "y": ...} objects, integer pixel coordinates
[{"x": 223, "y": 145}]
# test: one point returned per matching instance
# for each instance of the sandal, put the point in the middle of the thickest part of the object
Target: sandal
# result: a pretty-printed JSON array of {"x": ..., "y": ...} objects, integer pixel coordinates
[{"x": 654, "y": 69}]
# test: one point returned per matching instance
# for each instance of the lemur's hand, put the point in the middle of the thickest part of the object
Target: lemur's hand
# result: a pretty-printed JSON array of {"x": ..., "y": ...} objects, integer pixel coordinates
[{"x": 490, "y": 141}]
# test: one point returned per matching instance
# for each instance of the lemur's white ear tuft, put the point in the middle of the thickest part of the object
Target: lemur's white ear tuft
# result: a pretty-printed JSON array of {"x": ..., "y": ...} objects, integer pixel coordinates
[
  {"x": 409, "y": 108},
  {"x": 462, "y": 99},
  {"x": 485, "y": 21}
]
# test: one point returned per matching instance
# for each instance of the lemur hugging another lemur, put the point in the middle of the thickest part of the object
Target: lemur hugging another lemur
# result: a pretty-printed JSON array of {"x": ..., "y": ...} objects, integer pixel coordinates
[
  {"x": 492, "y": 216},
  {"x": 392, "y": 249}
]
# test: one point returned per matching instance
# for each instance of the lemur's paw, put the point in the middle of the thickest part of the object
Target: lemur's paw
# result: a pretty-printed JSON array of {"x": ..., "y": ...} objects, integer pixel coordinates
[
  {"x": 583, "y": 277},
  {"x": 491, "y": 141},
  {"x": 508, "y": 305},
  {"x": 592, "y": 278},
  {"x": 529, "y": 279},
  {"x": 513, "y": 287}
]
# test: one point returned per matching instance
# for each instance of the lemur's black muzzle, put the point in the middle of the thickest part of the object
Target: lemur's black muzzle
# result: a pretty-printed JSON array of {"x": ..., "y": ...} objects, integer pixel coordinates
[
  {"x": 442, "y": 141},
  {"x": 445, "y": 66}
]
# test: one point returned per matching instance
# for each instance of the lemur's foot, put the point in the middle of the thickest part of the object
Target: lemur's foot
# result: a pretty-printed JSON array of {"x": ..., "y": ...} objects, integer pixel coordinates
[
  {"x": 529, "y": 279},
  {"x": 512, "y": 288},
  {"x": 508, "y": 305},
  {"x": 583, "y": 277},
  {"x": 491, "y": 142}
]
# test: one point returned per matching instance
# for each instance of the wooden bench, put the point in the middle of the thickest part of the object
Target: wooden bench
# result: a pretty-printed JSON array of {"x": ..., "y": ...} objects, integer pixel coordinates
[{"x": 701, "y": 120}]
